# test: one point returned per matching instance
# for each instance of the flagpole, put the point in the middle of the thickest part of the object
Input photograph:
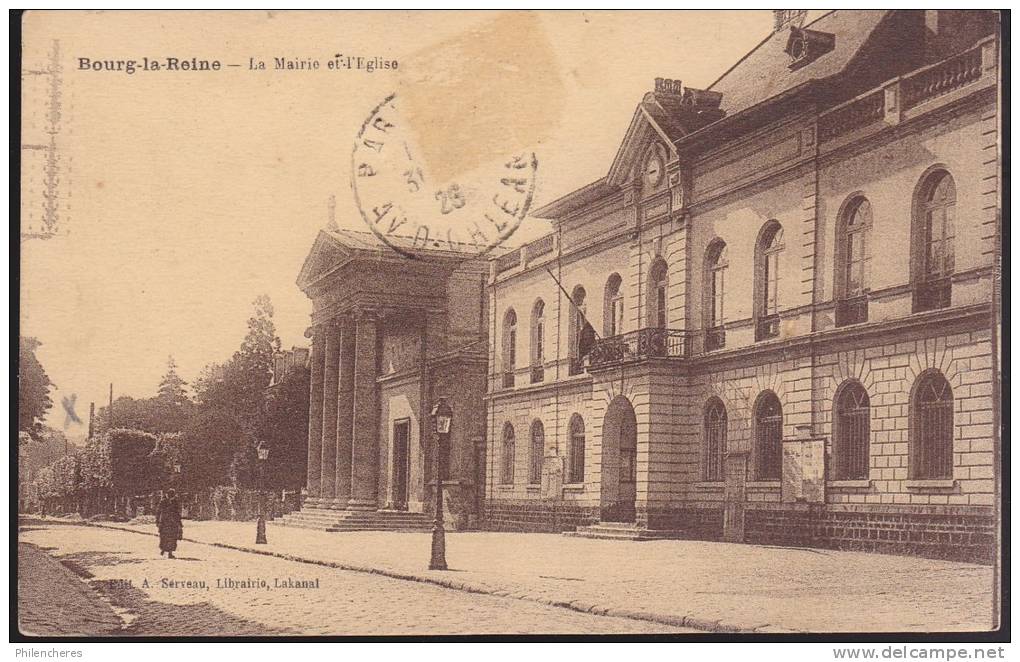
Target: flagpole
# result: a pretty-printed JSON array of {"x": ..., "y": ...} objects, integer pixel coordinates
[{"x": 571, "y": 300}]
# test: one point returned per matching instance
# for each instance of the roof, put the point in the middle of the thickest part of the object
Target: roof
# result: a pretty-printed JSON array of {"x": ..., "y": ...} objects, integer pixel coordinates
[
  {"x": 763, "y": 74},
  {"x": 765, "y": 71},
  {"x": 361, "y": 240},
  {"x": 334, "y": 247},
  {"x": 576, "y": 199}
]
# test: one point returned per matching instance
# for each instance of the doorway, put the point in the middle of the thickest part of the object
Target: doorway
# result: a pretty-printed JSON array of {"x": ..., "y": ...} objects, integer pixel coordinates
[
  {"x": 401, "y": 457},
  {"x": 619, "y": 462}
]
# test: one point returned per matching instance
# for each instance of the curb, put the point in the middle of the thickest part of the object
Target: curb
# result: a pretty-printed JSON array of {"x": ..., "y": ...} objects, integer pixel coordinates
[{"x": 688, "y": 621}]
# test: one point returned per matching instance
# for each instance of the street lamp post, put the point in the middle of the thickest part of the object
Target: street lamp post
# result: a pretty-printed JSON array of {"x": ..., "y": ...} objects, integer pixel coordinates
[
  {"x": 442, "y": 416},
  {"x": 260, "y": 527}
]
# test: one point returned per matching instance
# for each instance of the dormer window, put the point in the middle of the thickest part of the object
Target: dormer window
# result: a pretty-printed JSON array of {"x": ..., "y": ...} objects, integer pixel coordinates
[{"x": 804, "y": 46}]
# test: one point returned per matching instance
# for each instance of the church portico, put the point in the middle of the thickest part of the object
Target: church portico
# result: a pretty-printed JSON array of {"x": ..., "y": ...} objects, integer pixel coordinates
[{"x": 387, "y": 333}]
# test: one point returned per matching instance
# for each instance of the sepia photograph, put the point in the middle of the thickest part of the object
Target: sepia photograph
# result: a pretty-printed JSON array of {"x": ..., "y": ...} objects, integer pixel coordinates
[{"x": 586, "y": 324}]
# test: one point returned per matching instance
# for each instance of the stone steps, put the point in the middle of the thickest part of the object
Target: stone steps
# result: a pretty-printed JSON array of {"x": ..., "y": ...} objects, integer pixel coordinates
[
  {"x": 325, "y": 519},
  {"x": 623, "y": 531}
]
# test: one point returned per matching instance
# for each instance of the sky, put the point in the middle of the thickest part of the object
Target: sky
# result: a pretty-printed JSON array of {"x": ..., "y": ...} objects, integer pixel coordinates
[{"x": 184, "y": 195}]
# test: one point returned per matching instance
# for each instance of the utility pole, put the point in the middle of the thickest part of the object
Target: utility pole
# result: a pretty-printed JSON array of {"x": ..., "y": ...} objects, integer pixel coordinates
[
  {"x": 109, "y": 410},
  {"x": 92, "y": 418}
]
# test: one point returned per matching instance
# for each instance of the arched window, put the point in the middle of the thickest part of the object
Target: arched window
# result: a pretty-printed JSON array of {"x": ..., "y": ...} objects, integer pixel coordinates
[
  {"x": 931, "y": 433},
  {"x": 537, "y": 452},
  {"x": 575, "y": 473},
  {"x": 768, "y": 437},
  {"x": 506, "y": 476},
  {"x": 613, "y": 307},
  {"x": 509, "y": 347},
  {"x": 768, "y": 250},
  {"x": 578, "y": 334},
  {"x": 934, "y": 254},
  {"x": 657, "y": 294},
  {"x": 715, "y": 440},
  {"x": 538, "y": 342},
  {"x": 852, "y": 433},
  {"x": 715, "y": 290},
  {"x": 855, "y": 250},
  {"x": 853, "y": 255}
]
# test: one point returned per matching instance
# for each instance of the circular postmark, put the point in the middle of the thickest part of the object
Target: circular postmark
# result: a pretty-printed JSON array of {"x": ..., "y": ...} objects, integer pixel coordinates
[{"x": 458, "y": 201}]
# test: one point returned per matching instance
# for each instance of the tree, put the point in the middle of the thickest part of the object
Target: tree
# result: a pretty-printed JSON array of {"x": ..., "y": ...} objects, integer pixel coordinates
[
  {"x": 210, "y": 441},
  {"x": 238, "y": 386},
  {"x": 33, "y": 388},
  {"x": 172, "y": 389},
  {"x": 285, "y": 428}
]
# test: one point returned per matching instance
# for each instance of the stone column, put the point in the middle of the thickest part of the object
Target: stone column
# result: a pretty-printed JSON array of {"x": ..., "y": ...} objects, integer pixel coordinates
[
  {"x": 345, "y": 412},
  {"x": 315, "y": 418},
  {"x": 365, "y": 443},
  {"x": 330, "y": 374}
]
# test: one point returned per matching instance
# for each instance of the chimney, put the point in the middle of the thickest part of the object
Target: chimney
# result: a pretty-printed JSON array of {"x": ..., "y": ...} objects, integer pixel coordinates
[
  {"x": 784, "y": 17},
  {"x": 668, "y": 86}
]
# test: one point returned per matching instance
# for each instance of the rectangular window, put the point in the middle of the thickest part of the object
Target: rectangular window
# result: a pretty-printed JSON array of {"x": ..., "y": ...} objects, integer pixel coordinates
[
  {"x": 718, "y": 284},
  {"x": 660, "y": 306},
  {"x": 577, "y": 459},
  {"x": 856, "y": 264},
  {"x": 771, "y": 283}
]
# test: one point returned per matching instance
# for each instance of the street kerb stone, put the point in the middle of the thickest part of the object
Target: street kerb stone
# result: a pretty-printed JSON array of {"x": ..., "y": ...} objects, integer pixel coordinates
[{"x": 457, "y": 586}]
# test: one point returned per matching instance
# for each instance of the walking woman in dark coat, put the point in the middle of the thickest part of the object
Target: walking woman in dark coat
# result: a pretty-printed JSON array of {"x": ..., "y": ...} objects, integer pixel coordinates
[{"x": 168, "y": 521}]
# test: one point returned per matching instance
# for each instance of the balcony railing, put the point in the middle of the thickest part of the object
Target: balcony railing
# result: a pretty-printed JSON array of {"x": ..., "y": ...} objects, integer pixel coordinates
[
  {"x": 639, "y": 345},
  {"x": 537, "y": 374},
  {"x": 852, "y": 116},
  {"x": 766, "y": 327},
  {"x": 942, "y": 78},
  {"x": 508, "y": 261},
  {"x": 508, "y": 379},
  {"x": 540, "y": 247},
  {"x": 932, "y": 294},
  {"x": 715, "y": 338},
  {"x": 852, "y": 310},
  {"x": 576, "y": 366}
]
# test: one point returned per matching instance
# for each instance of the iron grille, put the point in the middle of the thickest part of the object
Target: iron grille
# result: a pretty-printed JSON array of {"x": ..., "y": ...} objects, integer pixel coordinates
[
  {"x": 932, "y": 294},
  {"x": 638, "y": 345},
  {"x": 508, "y": 379},
  {"x": 715, "y": 443},
  {"x": 576, "y": 366},
  {"x": 933, "y": 454},
  {"x": 852, "y": 311},
  {"x": 854, "y": 435},
  {"x": 537, "y": 451},
  {"x": 769, "y": 443},
  {"x": 576, "y": 457}
]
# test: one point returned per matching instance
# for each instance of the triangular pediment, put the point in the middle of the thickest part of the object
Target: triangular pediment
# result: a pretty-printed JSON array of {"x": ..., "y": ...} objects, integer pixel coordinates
[
  {"x": 643, "y": 131},
  {"x": 327, "y": 254}
]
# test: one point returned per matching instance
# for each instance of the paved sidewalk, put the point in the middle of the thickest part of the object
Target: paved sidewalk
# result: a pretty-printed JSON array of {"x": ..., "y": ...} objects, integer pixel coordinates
[
  {"x": 53, "y": 601},
  {"x": 707, "y": 585},
  {"x": 212, "y": 591}
]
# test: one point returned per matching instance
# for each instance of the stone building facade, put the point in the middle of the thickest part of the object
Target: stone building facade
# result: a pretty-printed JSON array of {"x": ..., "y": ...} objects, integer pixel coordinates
[
  {"x": 390, "y": 335},
  {"x": 771, "y": 320}
]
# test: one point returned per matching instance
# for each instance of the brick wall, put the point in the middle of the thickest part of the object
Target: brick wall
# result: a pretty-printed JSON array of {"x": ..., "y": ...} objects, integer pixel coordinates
[
  {"x": 537, "y": 516},
  {"x": 957, "y": 534}
]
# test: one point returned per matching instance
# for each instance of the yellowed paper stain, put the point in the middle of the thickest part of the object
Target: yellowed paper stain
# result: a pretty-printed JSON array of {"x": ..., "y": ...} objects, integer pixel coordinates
[{"x": 493, "y": 90}]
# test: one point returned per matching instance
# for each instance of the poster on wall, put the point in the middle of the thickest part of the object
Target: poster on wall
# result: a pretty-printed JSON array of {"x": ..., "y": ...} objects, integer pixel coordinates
[{"x": 804, "y": 471}]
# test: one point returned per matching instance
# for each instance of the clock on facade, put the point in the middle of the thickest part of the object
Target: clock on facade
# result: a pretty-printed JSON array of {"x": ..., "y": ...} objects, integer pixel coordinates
[{"x": 655, "y": 167}]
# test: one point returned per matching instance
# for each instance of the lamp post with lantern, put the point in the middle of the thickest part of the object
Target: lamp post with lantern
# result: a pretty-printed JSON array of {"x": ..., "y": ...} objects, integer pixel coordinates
[
  {"x": 442, "y": 417},
  {"x": 260, "y": 527}
]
